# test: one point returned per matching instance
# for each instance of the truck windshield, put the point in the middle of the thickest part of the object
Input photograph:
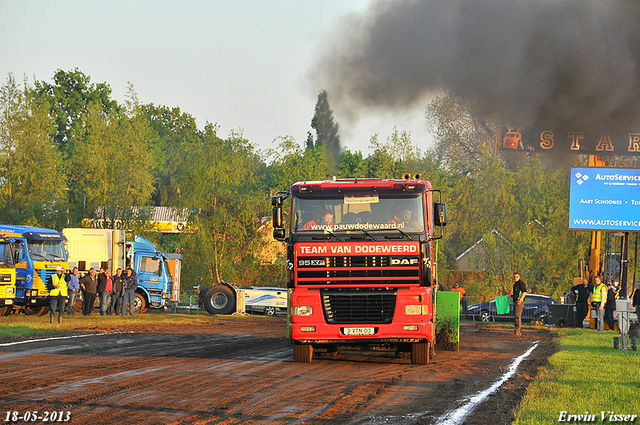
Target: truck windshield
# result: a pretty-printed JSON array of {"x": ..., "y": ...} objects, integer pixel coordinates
[
  {"x": 6, "y": 257},
  {"x": 368, "y": 212},
  {"x": 46, "y": 250}
]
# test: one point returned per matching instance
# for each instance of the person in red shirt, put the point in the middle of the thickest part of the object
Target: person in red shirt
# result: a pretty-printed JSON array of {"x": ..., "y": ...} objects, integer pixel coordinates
[
  {"x": 325, "y": 221},
  {"x": 404, "y": 219}
]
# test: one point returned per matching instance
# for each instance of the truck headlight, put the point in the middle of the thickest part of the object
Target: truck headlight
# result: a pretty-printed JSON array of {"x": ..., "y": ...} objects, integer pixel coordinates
[
  {"x": 416, "y": 309},
  {"x": 301, "y": 310},
  {"x": 9, "y": 290},
  {"x": 413, "y": 309}
]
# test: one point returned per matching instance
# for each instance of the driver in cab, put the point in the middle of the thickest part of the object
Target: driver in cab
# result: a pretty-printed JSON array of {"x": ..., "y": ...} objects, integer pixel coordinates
[
  {"x": 324, "y": 222},
  {"x": 404, "y": 220}
]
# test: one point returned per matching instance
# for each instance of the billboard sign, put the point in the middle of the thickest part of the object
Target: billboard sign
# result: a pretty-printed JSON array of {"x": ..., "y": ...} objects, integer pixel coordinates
[
  {"x": 605, "y": 199},
  {"x": 541, "y": 140}
]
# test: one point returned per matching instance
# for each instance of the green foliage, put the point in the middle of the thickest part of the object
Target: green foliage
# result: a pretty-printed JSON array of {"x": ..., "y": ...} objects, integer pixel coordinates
[
  {"x": 327, "y": 138},
  {"x": 33, "y": 174},
  {"x": 69, "y": 98},
  {"x": 222, "y": 184},
  {"x": 290, "y": 164}
]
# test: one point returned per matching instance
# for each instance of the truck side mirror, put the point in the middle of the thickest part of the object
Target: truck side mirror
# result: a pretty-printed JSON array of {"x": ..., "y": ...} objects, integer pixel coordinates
[
  {"x": 439, "y": 214},
  {"x": 277, "y": 217}
]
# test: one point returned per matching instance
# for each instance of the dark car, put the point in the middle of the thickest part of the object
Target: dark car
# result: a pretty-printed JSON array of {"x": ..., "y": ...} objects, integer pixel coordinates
[{"x": 536, "y": 308}]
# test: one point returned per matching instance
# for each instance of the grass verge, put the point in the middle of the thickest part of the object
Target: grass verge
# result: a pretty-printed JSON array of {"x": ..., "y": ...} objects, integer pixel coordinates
[
  {"x": 19, "y": 326},
  {"x": 587, "y": 376}
]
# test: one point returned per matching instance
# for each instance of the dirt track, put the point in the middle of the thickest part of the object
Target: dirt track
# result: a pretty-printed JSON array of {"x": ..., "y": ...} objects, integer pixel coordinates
[{"x": 242, "y": 371}]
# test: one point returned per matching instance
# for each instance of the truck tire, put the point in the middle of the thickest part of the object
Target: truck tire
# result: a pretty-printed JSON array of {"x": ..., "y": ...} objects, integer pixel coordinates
[
  {"x": 141, "y": 304},
  {"x": 420, "y": 352},
  {"x": 35, "y": 311},
  {"x": 3, "y": 311},
  {"x": 270, "y": 311},
  {"x": 220, "y": 300},
  {"x": 302, "y": 353}
]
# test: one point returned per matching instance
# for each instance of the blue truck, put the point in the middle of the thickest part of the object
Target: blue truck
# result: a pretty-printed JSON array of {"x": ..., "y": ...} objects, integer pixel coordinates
[{"x": 36, "y": 253}]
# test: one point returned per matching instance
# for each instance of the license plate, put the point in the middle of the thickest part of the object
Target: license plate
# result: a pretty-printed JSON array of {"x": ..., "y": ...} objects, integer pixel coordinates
[{"x": 358, "y": 331}]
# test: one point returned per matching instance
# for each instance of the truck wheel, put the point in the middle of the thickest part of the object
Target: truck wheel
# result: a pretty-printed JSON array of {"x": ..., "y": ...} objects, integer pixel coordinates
[
  {"x": 141, "y": 304},
  {"x": 420, "y": 352},
  {"x": 302, "y": 353},
  {"x": 270, "y": 311},
  {"x": 3, "y": 311},
  {"x": 220, "y": 300},
  {"x": 35, "y": 311}
]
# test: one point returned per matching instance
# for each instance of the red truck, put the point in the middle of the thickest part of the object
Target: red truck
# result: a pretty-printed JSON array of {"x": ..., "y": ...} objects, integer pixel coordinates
[{"x": 360, "y": 265}]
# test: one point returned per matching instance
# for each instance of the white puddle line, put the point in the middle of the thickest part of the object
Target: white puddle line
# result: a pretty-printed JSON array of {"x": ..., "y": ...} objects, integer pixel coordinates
[
  {"x": 8, "y": 344},
  {"x": 456, "y": 417}
]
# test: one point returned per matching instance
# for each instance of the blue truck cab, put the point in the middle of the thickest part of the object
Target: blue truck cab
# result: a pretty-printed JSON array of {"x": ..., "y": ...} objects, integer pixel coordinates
[
  {"x": 156, "y": 281},
  {"x": 37, "y": 253}
]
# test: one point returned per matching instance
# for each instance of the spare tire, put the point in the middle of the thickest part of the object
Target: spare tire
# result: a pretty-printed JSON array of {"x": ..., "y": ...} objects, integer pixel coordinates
[{"x": 220, "y": 300}]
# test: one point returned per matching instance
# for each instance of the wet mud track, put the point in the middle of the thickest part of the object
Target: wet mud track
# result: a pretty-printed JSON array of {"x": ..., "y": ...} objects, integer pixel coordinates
[{"x": 244, "y": 372}]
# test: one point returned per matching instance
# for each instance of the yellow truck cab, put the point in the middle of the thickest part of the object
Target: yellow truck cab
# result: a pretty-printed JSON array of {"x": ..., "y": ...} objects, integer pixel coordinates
[{"x": 7, "y": 277}]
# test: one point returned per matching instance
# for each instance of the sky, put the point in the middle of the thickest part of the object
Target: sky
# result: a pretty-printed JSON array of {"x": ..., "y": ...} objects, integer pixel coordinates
[{"x": 244, "y": 64}]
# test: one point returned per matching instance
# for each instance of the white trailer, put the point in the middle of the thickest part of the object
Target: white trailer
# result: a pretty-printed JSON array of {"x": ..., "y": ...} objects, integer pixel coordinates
[{"x": 228, "y": 298}]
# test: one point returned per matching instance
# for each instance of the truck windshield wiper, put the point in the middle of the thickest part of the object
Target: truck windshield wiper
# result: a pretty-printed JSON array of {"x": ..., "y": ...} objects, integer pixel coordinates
[
  {"x": 39, "y": 255},
  {"x": 361, "y": 230},
  {"x": 330, "y": 232},
  {"x": 403, "y": 233}
]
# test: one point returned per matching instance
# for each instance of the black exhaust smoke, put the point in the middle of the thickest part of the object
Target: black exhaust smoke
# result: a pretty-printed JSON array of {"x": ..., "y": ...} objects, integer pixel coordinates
[{"x": 552, "y": 63}]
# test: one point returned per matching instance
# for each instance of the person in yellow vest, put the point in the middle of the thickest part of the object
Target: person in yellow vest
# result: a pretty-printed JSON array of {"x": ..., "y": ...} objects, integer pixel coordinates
[
  {"x": 598, "y": 300},
  {"x": 57, "y": 286}
]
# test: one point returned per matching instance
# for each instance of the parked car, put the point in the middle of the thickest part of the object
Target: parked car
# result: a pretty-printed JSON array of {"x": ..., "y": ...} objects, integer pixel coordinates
[{"x": 536, "y": 308}]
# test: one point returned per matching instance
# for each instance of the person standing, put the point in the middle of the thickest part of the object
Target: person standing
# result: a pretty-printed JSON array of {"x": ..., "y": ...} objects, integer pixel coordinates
[
  {"x": 57, "y": 286},
  {"x": 73, "y": 286},
  {"x": 599, "y": 299},
  {"x": 459, "y": 289},
  {"x": 130, "y": 286},
  {"x": 519, "y": 292},
  {"x": 582, "y": 292},
  {"x": 635, "y": 303},
  {"x": 105, "y": 297},
  {"x": 116, "y": 293},
  {"x": 102, "y": 284},
  {"x": 610, "y": 306},
  {"x": 89, "y": 286}
]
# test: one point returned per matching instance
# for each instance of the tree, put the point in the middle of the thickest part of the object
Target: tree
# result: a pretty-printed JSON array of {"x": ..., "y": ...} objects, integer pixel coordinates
[
  {"x": 175, "y": 130},
  {"x": 223, "y": 185},
  {"x": 327, "y": 138},
  {"x": 290, "y": 164},
  {"x": 32, "y": 183},
  {"x": 69, "y": 98},
  {"x": 113, "y": 165}
]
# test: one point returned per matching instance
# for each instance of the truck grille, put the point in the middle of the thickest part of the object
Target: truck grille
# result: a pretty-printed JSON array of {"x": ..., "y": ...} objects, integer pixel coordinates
[
  {"x": 374, "y": 306},
  {"x": 358, "y": 270}
]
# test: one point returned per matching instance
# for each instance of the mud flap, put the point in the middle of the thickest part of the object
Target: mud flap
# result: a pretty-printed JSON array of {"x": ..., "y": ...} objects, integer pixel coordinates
[{"x": 448, "y": 321}]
